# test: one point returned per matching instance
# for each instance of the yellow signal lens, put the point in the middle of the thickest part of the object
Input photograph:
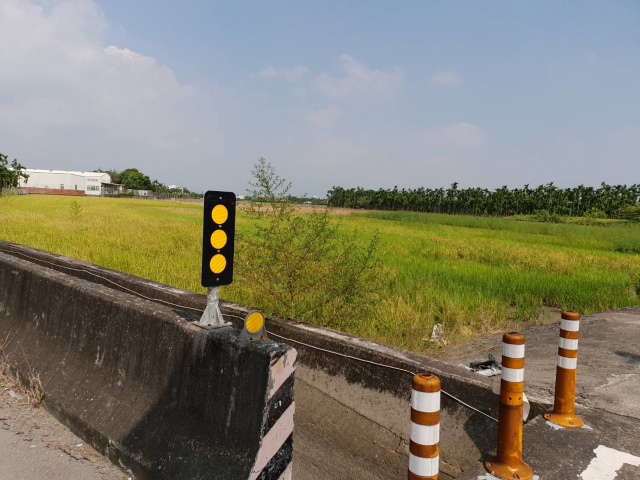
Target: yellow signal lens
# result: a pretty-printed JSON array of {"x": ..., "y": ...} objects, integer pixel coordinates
[
  {"x": 254, "y": 322},
  {"x": 218, "y": 263},
  {"x": 218, "y": 239},
  {"x": 219, "y": 214}
]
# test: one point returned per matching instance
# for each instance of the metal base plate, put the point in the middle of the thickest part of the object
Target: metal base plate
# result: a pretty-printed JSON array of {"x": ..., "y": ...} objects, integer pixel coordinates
[
  {"x": 211, "y": 327},
  {"x": 516, "y": 471},
  {"x": 567, "y": 420}
]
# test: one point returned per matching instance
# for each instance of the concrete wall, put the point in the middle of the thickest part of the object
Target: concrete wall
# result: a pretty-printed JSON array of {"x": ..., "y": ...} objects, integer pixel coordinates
[
  {"x": 352, "y": 418},
  {"x": 53, "y": 191},
  {"x": 161, "y": 397}
]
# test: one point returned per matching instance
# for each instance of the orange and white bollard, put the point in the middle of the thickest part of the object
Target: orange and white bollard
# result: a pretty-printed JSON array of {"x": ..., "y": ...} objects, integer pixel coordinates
[
  {"x": 564, "y": 405},
  {"x": 507, "y": 463},
  {"x": 424, "y": 447}
]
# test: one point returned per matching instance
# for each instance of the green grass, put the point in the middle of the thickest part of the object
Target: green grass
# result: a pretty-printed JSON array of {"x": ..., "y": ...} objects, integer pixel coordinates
[{"x": 474, "y": 275}]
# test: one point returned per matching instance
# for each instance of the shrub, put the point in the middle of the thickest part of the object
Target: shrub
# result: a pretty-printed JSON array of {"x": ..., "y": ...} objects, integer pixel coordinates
[
  {"x": 545, "y": 216},
  {"x": 595, "y": 213},
  {"x": 304, "y": 265},
  {"x": 631, "y": 213}
]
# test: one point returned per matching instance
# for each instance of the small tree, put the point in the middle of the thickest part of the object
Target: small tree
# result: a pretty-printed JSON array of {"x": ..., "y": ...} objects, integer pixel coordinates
[
  {"x": 133, "y": 179},
  {"x": 10, "y": 175},
  {"x": 302, "y": 266}
]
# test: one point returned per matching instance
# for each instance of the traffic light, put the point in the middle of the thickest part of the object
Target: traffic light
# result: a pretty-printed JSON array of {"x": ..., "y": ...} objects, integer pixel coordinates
[{"x": 218, "y": 228}]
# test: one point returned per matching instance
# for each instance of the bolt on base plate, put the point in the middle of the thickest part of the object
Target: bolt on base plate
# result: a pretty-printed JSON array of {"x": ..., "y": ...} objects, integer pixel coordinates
[
  {"x": 566, "y": 420},
  {"x": 515, "y": 470}
]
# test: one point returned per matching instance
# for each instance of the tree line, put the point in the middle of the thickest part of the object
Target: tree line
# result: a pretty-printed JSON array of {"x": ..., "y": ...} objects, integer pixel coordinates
[
  {"x": 607, "y": 201},
  {"x": 133, "y": 179}
]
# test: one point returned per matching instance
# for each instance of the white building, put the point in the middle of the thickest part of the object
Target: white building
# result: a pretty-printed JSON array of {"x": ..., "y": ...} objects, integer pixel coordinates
[{"x": 92, "y": 183}]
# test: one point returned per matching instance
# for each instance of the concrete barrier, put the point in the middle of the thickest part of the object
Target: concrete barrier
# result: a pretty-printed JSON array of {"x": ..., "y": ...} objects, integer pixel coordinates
[
  {"x": 352, "y": 419},
  {"x": 160, "y": 397}
]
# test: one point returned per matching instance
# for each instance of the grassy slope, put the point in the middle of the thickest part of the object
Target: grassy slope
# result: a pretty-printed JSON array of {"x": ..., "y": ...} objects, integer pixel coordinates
[{"x": 474, "y": 275}]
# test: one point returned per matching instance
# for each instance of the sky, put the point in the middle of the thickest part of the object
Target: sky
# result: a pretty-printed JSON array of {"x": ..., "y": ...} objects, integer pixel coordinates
[{"x": 333, "y": 93}]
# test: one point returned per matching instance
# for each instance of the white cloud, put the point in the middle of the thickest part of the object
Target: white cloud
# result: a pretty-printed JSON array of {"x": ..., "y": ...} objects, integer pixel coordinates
[
  {"x": 454, "y": 135},
  {"x": 359, "y": 81},
  {"x": 69, "y": 90},
  {"x": 325, "y": 117},
  {"x": 289, "y": 74},
  {"x": 445, "y": 79}
]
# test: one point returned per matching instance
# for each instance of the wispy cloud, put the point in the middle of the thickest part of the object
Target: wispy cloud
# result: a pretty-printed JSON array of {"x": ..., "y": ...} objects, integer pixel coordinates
[
  {"x": 454, "y": 135},
  {"x": 325, "y": 117},
  {"x": 445, "y": 79},
  {"x": 289, "y": 74},
  {"x": 359, "y": 81}
]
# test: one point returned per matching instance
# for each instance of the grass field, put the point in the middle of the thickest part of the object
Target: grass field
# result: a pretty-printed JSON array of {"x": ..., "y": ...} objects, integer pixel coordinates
[{"x": 474, "y": 275}]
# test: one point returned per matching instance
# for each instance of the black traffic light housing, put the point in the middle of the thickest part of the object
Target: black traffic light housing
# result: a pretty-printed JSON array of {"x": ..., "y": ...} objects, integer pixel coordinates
[{"x": 218, "y": 229}]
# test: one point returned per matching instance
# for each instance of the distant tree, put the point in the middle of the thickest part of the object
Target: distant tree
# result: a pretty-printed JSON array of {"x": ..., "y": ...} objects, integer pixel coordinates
[
  {"x": 133, "y": 179},
  {"x": 113, "y": 173},
  {"x": 631, "y": 213},
  {"x": 158, "y": 187},
  {"x": 10, "y": 175}
]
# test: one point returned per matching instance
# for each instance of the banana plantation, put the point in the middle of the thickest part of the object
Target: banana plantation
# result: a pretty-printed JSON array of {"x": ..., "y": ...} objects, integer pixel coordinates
[{"x": 607, "y": 201}]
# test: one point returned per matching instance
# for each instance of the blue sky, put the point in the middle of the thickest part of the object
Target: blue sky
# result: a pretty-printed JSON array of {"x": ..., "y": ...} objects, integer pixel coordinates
[{"x": 371, "y": 94}]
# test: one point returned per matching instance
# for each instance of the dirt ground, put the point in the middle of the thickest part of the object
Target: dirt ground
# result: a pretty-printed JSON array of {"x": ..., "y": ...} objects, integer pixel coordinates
[
  {"x": 319, "y": 208},
  {"x": 34, "y": 445},
  {"x": 300, "y": 208}
]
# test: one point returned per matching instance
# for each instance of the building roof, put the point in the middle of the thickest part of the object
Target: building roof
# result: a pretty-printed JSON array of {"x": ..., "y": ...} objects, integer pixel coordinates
[{"x": 80, "y": 174}]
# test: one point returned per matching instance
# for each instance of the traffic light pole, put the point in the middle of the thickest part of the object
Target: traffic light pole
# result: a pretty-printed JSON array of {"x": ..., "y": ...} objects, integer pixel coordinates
[{"x": 212, "y": 316}]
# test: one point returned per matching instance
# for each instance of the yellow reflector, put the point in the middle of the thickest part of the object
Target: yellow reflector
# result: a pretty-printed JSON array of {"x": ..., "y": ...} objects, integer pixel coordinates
[
  {"x": 218, "y": 239},
  {"x": 217, "y": 263},
  {"x": 254, "y": 322},
  {"x": 219, "y": 214}
]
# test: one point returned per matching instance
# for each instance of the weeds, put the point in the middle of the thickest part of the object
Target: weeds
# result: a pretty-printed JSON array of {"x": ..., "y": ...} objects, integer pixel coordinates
[
  {"x": 32, "y": 383},
  {"x": 6, "y": 379},
  {"x": 75, "y": 209},
  {"x": 35, "y": 392}
]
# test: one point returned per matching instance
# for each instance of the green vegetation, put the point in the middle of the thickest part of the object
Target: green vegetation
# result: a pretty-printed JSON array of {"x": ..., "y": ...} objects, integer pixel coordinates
[
  {"x": 605, "y": 202},
  {"x": 631, "y": 213},
  {"x": 302, "y": 266},
  {"x": 10, "y": 174},
  {"x": 472, "y": 274},
  {"x": 134, "y": 179}
]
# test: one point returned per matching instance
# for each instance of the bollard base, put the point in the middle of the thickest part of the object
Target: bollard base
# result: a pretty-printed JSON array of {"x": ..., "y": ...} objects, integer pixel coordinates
[
  {"x": 567, "y": 420},
  {"x": 514, "y": 470},
  {"x": 413, "y": 476}
]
